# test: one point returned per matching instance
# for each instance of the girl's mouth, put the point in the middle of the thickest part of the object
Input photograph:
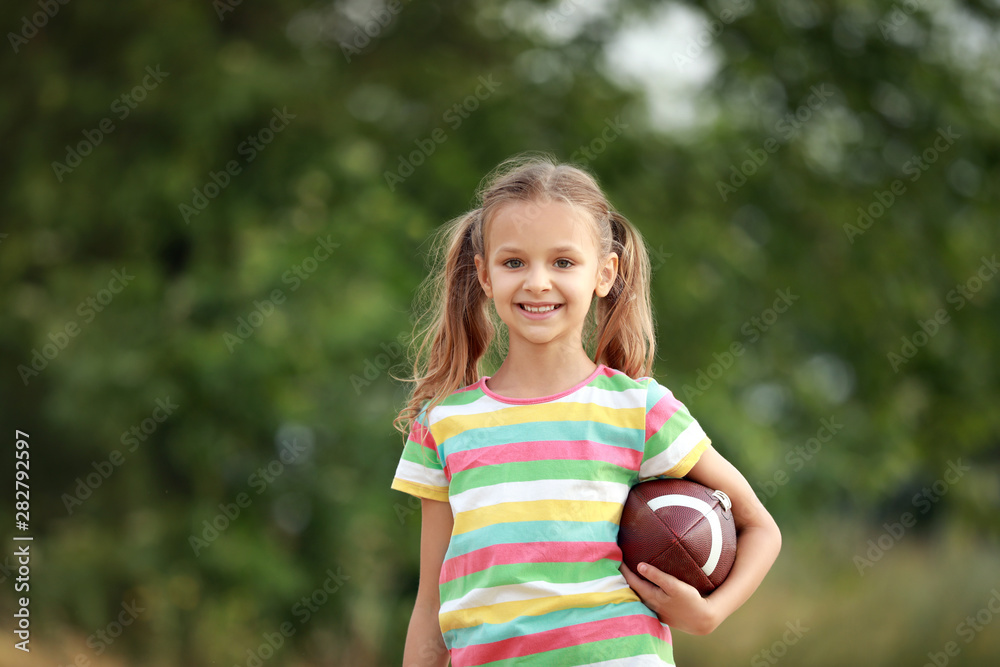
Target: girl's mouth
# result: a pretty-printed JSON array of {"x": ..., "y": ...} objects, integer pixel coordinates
[{"x": 539, "y": 309}]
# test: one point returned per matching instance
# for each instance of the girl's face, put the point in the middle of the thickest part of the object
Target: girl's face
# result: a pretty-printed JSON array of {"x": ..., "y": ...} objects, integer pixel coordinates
[{"x": 542, "y": 269}]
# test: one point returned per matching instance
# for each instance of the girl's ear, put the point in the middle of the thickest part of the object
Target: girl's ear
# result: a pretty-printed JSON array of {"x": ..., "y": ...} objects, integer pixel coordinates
[
  {"x": 606, "y": 276},
  {"x": 484, "y": 276}
]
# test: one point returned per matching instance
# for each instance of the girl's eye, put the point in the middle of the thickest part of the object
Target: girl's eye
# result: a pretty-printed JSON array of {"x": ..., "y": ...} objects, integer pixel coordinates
[
  {"x": 564, "y": 263},
  {"x": 513, "y": 263}
]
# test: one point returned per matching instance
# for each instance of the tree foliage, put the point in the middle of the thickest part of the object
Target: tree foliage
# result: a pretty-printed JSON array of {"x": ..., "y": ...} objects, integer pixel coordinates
[{"x": 215, "y": 215}]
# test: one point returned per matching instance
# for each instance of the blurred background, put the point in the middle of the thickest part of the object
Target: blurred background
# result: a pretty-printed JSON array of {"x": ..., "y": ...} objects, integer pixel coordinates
[{"x": 215, "y": 215}]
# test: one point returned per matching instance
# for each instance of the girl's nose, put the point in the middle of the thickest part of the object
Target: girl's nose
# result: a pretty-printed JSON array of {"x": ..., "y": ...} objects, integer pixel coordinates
[{"x": 537, "y": 280}]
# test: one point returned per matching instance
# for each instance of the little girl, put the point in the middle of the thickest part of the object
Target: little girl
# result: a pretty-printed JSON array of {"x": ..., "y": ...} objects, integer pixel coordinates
[{"x": 522, "y": 475}]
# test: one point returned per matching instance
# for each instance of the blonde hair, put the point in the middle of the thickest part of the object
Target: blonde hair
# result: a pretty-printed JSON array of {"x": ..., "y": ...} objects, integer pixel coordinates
[{"x": 458, "y": 328}]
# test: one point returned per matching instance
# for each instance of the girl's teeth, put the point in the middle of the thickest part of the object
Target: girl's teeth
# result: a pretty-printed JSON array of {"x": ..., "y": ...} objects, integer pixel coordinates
[{"x": 542, "y": 309}]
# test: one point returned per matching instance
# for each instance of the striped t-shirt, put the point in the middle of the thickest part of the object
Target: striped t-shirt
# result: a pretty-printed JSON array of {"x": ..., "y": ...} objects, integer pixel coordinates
[{"x": 536, "y": 488}]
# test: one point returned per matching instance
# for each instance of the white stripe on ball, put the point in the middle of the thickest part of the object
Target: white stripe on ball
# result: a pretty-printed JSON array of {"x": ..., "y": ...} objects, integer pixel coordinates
[{"x": 677, "y": 500}]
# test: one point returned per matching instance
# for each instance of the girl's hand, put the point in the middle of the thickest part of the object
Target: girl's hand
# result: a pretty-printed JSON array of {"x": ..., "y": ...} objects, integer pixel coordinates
[{"x": 676, "y": 603}]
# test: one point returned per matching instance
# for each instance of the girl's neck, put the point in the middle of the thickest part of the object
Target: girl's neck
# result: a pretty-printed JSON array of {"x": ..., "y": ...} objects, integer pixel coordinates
[{"x": 540, "y": 371}]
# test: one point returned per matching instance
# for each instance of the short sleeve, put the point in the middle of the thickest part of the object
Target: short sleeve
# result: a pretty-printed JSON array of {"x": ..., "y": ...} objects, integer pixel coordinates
[
  {"x": 420, "y": 471},
  {"x": 674, "y": 439}
]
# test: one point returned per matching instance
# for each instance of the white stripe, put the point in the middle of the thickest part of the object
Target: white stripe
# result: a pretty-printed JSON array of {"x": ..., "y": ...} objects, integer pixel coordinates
[
  {"x": 414, "y": 472},
  {"x": 675, "y": 451},
  {"x": 546, "y": 489},
  {"x": 677, "y": 500},
  {"x": 531, "y": 590},
  {"x": 637, "y": 661},
  {"x": 629, "y": 398}
]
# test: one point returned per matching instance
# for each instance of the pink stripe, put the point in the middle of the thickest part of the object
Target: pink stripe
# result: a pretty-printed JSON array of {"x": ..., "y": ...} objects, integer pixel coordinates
[
  {"x": 549, "y": 640},
  {"x": 421, "y": 435},
  {"x": 528, "y": 552},
  {"x": 545, "y": 450},
  {"x": 660, "y": 413},
  {"x": 610, "y": 372}
]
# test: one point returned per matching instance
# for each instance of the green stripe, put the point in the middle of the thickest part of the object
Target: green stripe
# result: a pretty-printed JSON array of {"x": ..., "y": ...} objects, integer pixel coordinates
[
  {"x": 667, "y": 434},
  {"x": 530, "y": 471},
  {"x": 463, "y": 397},
  {"x": 417, "y": 453},
  {"x": 616, "y": 383}
]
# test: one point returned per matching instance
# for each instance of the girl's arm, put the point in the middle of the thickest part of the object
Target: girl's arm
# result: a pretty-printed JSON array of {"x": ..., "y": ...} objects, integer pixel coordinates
[
  {"x": 758, "y": 541},
  {"x": 424, "y": 643}
]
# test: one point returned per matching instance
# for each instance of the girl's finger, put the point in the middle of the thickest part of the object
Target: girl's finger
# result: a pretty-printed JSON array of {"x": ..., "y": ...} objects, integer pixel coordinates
[
  {"x": 667, "y": 582},
  {"x": 638, "y": 584}
]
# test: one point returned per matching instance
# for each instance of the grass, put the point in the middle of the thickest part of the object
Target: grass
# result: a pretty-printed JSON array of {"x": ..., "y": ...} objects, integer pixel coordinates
[{"x": 913, "y": 601}]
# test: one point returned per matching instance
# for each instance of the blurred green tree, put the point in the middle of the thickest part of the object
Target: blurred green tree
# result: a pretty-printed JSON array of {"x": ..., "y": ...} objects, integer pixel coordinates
[{"x": 216, "y": 215}]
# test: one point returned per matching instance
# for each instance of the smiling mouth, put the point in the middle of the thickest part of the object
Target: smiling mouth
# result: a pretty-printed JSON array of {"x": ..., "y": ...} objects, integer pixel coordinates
[{"x": 539, "y": 309}]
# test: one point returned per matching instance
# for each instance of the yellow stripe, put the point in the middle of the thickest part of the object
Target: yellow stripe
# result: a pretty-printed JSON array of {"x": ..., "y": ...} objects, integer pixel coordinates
[
  {"x": 523, "y": 414},
  {"x": 537, "y": 510},
  {"x": 684, "y": 466},
  {"x": 421, "y": 490},
  {"x": 506, "y": 611}
]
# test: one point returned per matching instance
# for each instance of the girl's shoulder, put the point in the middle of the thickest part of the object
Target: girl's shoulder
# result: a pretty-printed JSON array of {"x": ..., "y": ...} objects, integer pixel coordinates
[
  {"x": 461, "y": 396},
  {"x": 653, "y": 390},
  {"x": 620, "y": 379}
]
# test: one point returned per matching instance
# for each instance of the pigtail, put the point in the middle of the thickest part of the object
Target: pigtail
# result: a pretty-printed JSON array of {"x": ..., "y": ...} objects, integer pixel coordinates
[
  {"x": 625, "y": 337},
  {"x": 455, "y": 330}
]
